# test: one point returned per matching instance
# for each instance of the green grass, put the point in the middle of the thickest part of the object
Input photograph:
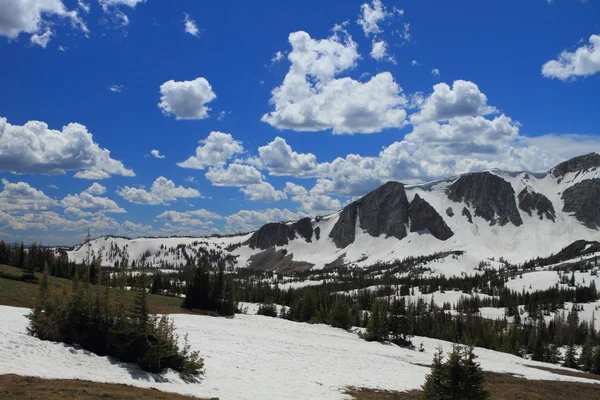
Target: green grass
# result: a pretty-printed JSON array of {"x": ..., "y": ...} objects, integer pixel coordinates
[{"x": 16, "y": 293}]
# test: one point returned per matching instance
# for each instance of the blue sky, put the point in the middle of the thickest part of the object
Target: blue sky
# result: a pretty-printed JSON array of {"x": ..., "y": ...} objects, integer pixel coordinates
[{"x": 265, "y": 111}]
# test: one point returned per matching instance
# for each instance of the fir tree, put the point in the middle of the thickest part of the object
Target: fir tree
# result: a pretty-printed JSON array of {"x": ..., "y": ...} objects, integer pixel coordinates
[{"x": 570, "y": 357}]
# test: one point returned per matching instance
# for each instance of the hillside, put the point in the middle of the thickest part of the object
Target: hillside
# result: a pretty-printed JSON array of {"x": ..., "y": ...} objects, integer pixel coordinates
[{"x": 255, "y": 357}]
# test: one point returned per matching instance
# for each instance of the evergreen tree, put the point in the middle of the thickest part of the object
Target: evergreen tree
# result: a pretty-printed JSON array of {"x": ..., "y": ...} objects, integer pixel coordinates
[
  {"x": 340, "y": 316},
  {"x": 435, "y": 386},
  {"x": 570, "y": 357}
]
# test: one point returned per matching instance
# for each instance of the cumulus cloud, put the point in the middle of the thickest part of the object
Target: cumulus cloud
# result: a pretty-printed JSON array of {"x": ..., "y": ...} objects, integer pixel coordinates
[
  {"x": 234, "y": 175},
  {"x": 96, "y": 188},
  {"x": 86, "y": 200},
  {"x": 196, "y": 217},
  {"x": 371, "y": 16},
  {"x": 435, "y": 72},
  {"x": 156, "y": 154},
  {"x": 31, "y": 17},
  {"x": 186, "y": 99},
  {"x": 264, "y": 192},
  {"x": 583, "y": 62},
  {"x": 190, "y": 26},
  {"x": 379, "y": 50},
  {"x": 311, "y": 98},
  {"x": 463, "y": 99},
  {"x": 34, "y": 148},
  {"x": 163, "y": 191},
  {"x": 116, "y": 88},
  {"x": 214, "y": 151},
  {"x": 311, "y": 201},
  {"x": 21, "y": 196},
  {"x": 247, "y": 220},
  {"x": 279, "y": 159}
]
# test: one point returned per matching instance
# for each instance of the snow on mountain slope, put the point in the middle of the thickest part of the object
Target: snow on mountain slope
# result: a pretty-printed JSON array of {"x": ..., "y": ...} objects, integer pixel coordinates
[
  {"x": 253, "y": 357},
  {"x": 158, "y": 251},
  {"x": 514, "y": 215}
]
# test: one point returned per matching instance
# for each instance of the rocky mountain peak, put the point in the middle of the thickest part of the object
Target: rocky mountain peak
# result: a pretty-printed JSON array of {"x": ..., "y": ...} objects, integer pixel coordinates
[
  {"x": 492, "y": 197},
  {"x": 578, "y": 164}
]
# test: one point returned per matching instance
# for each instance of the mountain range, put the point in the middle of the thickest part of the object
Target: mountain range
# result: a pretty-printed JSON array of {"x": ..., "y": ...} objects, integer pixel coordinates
[{"x": 516, "y": 216}]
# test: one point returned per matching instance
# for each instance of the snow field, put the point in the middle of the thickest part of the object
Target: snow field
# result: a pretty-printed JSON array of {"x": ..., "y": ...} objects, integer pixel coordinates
[{"x": 253, "y": 357}]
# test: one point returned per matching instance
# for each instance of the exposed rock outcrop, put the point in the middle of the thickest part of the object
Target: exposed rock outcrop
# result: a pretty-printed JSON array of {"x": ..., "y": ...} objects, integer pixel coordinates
[
  {"x": 382, "y": 211},
  {"x": 492, "y": 197},
  {"x": 450, "y": 212},
  {"x": 578, "y": 164},
  {"x": 423, "y": 216},
  {"x": 344, "y": 230},
  {"x": 385, "y": 211},
  {"x": 530, "y": 201},
  {"x": 304, "y": 228},
  {"x": 279, "y": 234},
  {"x": 583, "y": 199},
  {"x": 467, "y": 214}
]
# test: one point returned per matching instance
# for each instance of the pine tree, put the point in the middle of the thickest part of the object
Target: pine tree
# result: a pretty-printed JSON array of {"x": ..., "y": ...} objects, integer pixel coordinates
[
  {"x": 339, "y": 316},
  {"x": 435, "y": 386},
  {"x": 474, "y": 378},
  {"x": 570, "y": 357}
]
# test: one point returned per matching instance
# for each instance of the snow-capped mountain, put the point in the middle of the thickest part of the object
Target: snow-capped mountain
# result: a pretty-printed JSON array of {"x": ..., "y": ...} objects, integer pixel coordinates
[{"x": 491, "y": 214}]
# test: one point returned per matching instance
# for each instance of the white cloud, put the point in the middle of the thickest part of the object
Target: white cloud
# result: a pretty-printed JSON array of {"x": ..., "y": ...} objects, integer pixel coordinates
[
  {"x": 41, "y": 40},
  {"x": 186, "y": 99},
  {"x": 371, "y": 16},
  {"x": 379, "y": 50},
  {"x": 565, "y": 146},
  {"x": 246, "y": 220},
  {"x": 277, "y": 57},
  {"x": 162, "y": 191},
  {"x": 312, "y": 99},
  {"x": 463, "y": 99},
  {"x": 86, "y": 200},
  {"x": 312, "y": 202},
  {"x": 264, "y": 192},
  {"x": 197, "y": 217},
  {"x": 129, "y": 3},
  {"x": 435, "y": 72},
  {"x": 223, "y": 114},
  {"x": 279, "y": 159},
  {"x": 414, "y": 63},
  {"x": 34, "y": 148},
  {"x": 52, "y": 187},
  {"x": 116, "y": 88},
  {"x": 190, "y": 26},
  {"x": 85, "y": 7},
  {"x": 96, "y": 188},
  {"x": 584, "y": 61},
  {"x": 156, "y": 154},
  {"x": 214, "y": 151},
  {"x": 234, "y": 175},
  {"x": 31, "y": 17},
  {"x": 22, "y": 197}
]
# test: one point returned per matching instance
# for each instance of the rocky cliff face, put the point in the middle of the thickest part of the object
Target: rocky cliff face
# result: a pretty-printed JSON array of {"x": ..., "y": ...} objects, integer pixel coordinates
[
  {"x": 579, "y": 164},
  {"x": 344, "y": 230},
  {"x": 583, "y": 199},
  {"x": 530, "y": 201},
  {"x": 385, "y": 211},
  {"x": 423, "y": 216},
  {"x": 492, "y": 197},
  {"x": 279, "y": 234},
  {"x": 382, "y": 211}
]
